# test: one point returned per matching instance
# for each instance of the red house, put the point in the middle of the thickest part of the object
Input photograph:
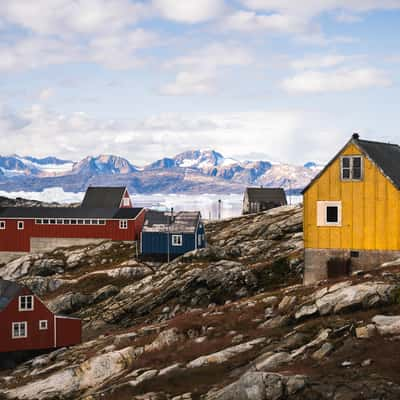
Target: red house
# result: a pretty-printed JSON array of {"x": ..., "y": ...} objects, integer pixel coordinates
[
  {"x": 106, "y": 213},
  {"x": 27, "y": 324}
]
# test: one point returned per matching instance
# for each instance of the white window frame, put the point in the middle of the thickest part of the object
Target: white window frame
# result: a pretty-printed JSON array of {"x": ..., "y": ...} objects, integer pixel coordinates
[
  {"x": 20, "y": 225},
  {"x": 43, "y": 325},
  {"x": 19, "y": 324},
  {"x": 123, "y": 224},
  {"x": 3, "y": 225},
  {"x": 177, "y": 240},
  {"x": 126, "y": 201},
  {"x": 322, "y": 207},
  {"x": 22, "y": 309},
  {"x": 351, "y": 159}
]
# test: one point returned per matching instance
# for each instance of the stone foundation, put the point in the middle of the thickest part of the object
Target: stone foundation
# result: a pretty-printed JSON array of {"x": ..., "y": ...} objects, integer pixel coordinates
[
  {"x": 45, "y": 245},
  {"x": 316, "y": 261}
]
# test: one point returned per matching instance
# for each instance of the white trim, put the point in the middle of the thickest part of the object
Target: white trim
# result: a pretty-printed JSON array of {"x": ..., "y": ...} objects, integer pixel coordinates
[
  {"x": 178, "y": 243},
  {"x": 104, "y": 219},
  {"x": 20, "y": 302},
  {"x": 350, "y": 168},
  {"x": 3, "y": 225},
  {"x": 322, "y": 207},
  {"x": 20, "y": 225},
  {"x": 25, "y": 324},
  {"x": 46, "y": 325},
  {"x": 123, "y": 224}
]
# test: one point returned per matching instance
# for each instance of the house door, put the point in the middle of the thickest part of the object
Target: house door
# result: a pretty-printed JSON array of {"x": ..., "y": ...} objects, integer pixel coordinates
[{"x": 338, "y": 267}]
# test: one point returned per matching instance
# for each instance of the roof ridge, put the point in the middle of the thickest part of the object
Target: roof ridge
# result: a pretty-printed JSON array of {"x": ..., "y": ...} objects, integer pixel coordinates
[{"x": 377, "y": 142}]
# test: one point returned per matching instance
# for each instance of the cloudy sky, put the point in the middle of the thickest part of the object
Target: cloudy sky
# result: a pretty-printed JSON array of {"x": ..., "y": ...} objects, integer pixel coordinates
[{"x": 280, "y": 79}]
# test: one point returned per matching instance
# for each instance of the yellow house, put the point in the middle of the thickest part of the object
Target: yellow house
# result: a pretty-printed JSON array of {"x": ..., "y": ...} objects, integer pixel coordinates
[{"x": 352, "y": 211}]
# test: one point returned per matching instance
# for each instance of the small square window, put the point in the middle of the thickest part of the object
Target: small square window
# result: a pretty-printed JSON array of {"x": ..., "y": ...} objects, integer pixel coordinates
[
  {"x": 332, "y": 214},
  {"x": 176, "y": 240},
  {"x": 352, "y": 168},
  {"x": 102, "y": 221},
  {"x": 59, "y": 222},
  {"x": 39, "y": 221},
  {"x": 43, "y": 325},
  {"x": 2, "y": 225},
  {"x": 95, "y": 221},
  {"x": 67, "y": 222},
  {"x": 45, "y": 221},
  {"x": 87, "y": 221},
  {"x": 20, "y": 225},
  {"x": 52, "y": 221},
  {"x": 123, "y": 224},
  {"x": 73, "y": 221},
  {"x": 25, "y": 303},
  {"x": 80, "y": 221},
  {"x": 126, "y": 202}
]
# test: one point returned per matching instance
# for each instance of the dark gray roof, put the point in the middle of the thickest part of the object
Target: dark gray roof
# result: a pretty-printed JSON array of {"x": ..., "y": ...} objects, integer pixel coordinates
[
  {"x": 8, "y": 291},
  {"x": 181, "y": 222},
  {"x": 385, "y": 156},
  {"x": 69, "y": 212},
  {"x": 267, "y": 195},
  {"x": 103, "y": 197}
]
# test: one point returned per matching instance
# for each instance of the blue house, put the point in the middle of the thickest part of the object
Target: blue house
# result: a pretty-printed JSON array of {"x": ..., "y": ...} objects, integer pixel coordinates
[{"x": 165, "y": 235}]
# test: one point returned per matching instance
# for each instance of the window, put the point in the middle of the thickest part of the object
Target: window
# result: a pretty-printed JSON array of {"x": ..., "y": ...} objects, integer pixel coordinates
[
  {"x": 59, "y": 222},
  {"x": 43, "y": 325},
  {"x": 352, "y": 168},
  {"x": 20, "y": 225},
  {"x": 176, "y": 240},
  {"x": 126, "y": 202},
  {"x": 87, "y": 221},
  {"x": 2, "y": 225},
  {"x": 25, "y": 303},
  {"x": 329, "y": 213},
  {"x": 123, "y": 224},
  {"x": 73, "y": 221},
  {"x": 39, "y": 221},
  {"x": 102, "y": 221},
  {"x": 95, "y": 222},
  {"x": 52, "y": 221},
  {"x": 45, "y": 221},
  {"x": 80, "y": 221},
  {"x": 67, "y": 222},
  {"x": 19, "y": 330}
]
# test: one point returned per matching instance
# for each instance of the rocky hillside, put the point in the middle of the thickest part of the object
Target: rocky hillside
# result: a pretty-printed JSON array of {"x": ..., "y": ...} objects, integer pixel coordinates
[{"x": 229, "y": 322}]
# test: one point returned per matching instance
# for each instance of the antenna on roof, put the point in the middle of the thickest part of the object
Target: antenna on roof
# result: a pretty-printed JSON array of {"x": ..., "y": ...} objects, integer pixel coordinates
[{"x": 356, "y": 136}]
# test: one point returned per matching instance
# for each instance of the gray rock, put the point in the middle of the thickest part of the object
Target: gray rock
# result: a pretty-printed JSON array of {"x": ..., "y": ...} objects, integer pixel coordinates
[{"x": 323, "y": 352}]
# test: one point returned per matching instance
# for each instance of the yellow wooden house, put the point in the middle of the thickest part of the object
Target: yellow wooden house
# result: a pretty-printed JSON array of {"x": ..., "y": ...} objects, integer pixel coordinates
[{"x": 352, "y": 211}]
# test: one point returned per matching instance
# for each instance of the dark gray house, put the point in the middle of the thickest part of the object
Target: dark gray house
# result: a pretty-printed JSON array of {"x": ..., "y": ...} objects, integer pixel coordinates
[
  {"x": 165, "y": 235},
  {"x": 261, "y": 199}
]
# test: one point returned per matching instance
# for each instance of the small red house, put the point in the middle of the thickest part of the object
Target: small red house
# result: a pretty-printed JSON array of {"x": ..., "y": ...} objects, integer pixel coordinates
[
  {"x": 106, "y": 213},
  {"x": 27, "y": 324}
]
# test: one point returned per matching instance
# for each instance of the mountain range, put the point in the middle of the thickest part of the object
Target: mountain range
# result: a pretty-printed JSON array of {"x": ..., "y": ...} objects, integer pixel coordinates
[{"x": 197, "y": 171}]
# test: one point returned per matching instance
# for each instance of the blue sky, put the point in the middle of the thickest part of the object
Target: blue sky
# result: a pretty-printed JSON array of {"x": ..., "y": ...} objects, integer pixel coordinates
[{"x": 277, "y": 79}]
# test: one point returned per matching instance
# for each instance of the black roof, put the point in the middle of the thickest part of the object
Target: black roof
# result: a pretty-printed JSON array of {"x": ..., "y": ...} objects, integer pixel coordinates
[
  {"x": 181, "y": 222},
  {"x": 8, "y": 291},
  {"x": 69, "y": 212},
  {"x": 267, "y": 195},
  {"x": 386, "y": 156},
  {"x": 103, "y": 197}
]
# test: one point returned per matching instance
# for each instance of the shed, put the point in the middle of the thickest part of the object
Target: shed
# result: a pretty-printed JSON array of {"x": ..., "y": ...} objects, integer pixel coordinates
[
  {"x": 262, "y": 199},
  {"x": 166, "y": 235},
  {"x": 27, "y": 324}
]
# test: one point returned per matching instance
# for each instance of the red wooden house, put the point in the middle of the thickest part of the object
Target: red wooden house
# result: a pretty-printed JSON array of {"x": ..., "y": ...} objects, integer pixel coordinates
[
  {"x": 27, "y": 324},
  {"x": 106, "y": 213}
]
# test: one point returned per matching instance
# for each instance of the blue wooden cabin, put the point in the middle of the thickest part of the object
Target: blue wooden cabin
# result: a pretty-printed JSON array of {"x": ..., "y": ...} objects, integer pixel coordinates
[{"x": 175, "y": 234}]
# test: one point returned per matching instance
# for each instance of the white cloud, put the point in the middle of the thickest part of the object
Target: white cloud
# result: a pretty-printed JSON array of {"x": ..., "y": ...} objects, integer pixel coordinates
[
  {"x": 198, "y": 71},
  {"x": 66, "y": 17},
  {"x": 251, "y": 21},
  {"x": 319, "y": 61},
  {"x": 289, "y": 134},
  {"x": 189, "y": 11},
  {"x": 348, "y": 18},
  {"x": 336, "y": 80}
]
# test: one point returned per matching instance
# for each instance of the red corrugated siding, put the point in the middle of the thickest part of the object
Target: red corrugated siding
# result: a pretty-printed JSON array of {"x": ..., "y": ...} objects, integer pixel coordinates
[
  {"x": 68, "y": 331},
  {"x": 12, "y": 239},
  {"x": 36, "y": 339}
]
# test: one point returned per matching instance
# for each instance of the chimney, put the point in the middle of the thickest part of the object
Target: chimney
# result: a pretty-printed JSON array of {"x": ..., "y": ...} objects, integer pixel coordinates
[{"x": 356, "y": 136}]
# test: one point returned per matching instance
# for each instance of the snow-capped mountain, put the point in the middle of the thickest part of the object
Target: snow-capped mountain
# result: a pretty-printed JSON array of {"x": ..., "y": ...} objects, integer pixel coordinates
[
  {"x": 197, "y": 171},
  {"x": 104, "y": 164}
]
